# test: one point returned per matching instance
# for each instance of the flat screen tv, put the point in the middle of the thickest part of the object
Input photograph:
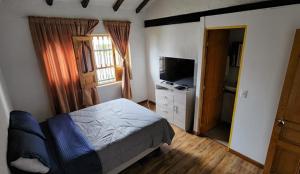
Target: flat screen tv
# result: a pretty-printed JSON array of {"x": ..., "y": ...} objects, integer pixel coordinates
[{"x": 177, "y": 70}]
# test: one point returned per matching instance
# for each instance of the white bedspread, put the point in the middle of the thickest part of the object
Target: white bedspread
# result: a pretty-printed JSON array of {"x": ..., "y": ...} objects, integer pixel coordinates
[{"x": 121, "y": 129}]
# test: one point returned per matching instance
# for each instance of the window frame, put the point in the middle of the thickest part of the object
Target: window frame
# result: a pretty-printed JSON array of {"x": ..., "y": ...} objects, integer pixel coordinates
[{"x": 115, "y": 66}]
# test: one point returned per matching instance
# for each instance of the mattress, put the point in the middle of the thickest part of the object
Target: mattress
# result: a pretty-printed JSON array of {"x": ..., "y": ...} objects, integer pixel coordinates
[{"x": 120, "y": 130}]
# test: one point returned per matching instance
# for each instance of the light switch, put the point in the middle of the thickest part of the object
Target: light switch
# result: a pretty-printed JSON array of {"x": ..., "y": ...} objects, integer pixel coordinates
[{"x": 244, "y": 94}]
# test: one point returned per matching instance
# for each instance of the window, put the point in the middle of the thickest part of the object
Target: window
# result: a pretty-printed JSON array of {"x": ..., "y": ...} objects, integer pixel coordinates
[{"x": 107, "y": 59}]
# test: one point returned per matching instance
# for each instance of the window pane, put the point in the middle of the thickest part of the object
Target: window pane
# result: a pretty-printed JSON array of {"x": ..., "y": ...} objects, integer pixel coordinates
[
  {"x": 106, "y": 75},
  {"x": 104, "y": 59}
]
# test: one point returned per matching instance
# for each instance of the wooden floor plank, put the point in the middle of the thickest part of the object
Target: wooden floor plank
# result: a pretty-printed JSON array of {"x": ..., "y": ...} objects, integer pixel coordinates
[{"x": 192, "y": 154}]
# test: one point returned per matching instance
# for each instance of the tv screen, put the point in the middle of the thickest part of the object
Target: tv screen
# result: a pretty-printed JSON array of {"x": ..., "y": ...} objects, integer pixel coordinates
[{"x": 178, "y": 71}]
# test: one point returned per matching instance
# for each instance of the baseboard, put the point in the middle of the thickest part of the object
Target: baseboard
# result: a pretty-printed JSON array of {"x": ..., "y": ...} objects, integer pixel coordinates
[
  {"x": 246, "y": 158},
  {"x": 196, "y": 133}
]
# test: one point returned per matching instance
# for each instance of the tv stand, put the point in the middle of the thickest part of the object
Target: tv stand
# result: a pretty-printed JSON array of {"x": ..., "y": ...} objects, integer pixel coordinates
[{"x": 176, "y": 105}]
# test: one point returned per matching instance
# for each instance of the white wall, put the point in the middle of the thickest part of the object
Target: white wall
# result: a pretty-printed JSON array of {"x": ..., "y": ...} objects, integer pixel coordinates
[
  {"x": 266, "y": 56},
  {"x": 21, "y": 68},
  {"x": 110, "y": 92},
  {"x": 5, "y": 108},
  {"x": 170, "y": 41},
  {"x": 267, "y": 50},
  {"x": 180, "y": 40}
]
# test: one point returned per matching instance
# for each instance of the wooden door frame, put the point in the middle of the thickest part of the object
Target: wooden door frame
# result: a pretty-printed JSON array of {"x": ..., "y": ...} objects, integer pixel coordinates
[{"x": 203, "y": 66}]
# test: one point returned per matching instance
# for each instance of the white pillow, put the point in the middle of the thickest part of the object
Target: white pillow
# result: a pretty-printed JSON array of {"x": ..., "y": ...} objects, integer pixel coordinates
[{"x": 30, "y": 165}]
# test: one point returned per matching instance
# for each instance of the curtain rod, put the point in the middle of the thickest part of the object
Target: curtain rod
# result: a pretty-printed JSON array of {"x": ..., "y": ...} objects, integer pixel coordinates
[{"x": 74, "y": 18}]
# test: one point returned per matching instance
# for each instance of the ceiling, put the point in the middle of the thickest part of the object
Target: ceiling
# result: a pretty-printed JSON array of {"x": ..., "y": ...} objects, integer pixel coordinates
[{"x": 127, "y": 4}]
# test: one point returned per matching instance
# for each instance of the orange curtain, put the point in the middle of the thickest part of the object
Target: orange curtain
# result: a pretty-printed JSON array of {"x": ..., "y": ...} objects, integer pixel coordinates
[
  {"x": 119, "y": 32},
  {"x": 52, "y": 38}
]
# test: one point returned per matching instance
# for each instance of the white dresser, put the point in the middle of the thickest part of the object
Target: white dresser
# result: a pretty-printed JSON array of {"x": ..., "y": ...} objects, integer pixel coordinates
[{"x": 177, "y": 106}]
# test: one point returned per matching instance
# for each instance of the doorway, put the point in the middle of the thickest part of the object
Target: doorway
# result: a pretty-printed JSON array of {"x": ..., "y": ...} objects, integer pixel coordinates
[{"x": 223, "y": 54}]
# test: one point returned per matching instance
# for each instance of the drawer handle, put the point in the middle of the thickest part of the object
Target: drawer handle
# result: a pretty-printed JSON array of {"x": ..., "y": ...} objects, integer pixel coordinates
[{"x": 176, "y": 109}]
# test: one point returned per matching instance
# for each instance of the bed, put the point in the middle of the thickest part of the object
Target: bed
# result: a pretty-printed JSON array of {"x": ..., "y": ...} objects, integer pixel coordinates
[{"x": 120, "y": 132}]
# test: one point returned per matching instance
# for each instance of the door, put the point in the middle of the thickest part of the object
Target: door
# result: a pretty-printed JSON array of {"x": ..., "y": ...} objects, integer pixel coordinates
[
  {"x": 215, "y": 67},
  {"x": 284, "y": 150},
  {"x": 180, "y": 109}
]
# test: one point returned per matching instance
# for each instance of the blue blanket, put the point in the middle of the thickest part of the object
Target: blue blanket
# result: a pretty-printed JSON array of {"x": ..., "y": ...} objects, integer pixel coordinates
[{"x": 75, "y": 154}]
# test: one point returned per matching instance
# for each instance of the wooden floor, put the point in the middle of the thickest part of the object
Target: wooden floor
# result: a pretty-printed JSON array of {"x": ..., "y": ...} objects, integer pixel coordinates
[{"x": 192, "y": 155}]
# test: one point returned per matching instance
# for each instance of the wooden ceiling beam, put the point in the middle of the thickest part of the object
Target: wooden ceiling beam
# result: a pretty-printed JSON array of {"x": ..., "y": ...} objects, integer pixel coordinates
[
  {"x": 117, "y": 4},
  {"x": 141, "y": 6},
  {"x": 195, "y": 17},
  {"x": 85, "y": 3},
  {"x": 49, "y": 2}
]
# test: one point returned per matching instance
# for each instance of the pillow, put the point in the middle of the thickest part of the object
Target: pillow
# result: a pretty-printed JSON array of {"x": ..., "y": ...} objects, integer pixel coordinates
[
  {"x": 24, "y": 149},
  {"x": 30, "y": 165},
  {"x": 24, "y": 121}
]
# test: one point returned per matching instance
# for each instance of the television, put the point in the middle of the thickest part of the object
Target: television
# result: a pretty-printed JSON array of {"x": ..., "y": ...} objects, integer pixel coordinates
[{"x": 177, "y": 70}]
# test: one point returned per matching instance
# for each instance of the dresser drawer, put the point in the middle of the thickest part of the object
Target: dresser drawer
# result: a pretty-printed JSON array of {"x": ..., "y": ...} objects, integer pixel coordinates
[
  {"x": 164, "y": 97},
  {"x": 180, "y": 99},
  {"x": 165, "y": 105},
  {"x": 165, "y": 112},
  {"x": 179, "y": 115}
]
